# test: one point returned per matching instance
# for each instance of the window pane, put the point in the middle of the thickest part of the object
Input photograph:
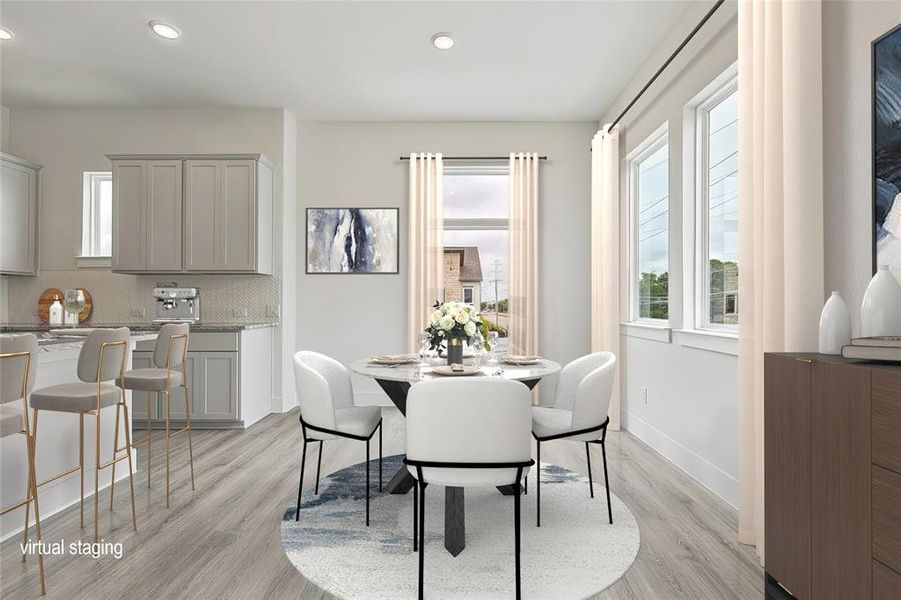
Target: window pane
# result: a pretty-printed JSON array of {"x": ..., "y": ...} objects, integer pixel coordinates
[
  {"x": 105, "y": 209},
  {"x": 652, "y": 217},
  {"x": 479, "y": 259},
  {"x": 722, "y": 210},
  {"x": 476, "y": 197}
]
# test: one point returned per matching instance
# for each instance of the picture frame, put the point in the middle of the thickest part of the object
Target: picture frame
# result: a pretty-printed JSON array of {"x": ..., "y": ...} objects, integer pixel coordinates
[
  {"x": 352, "y": 240},
  {"x": 886, "y": 142}
]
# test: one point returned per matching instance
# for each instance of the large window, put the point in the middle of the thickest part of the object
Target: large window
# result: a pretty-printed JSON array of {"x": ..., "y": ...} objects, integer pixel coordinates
[
  {"x": 477, "y": 241},
  {"x": 718, "y": 210},
  {"x": 649, "y": 200},
  {"x": 97, "y": 214}
]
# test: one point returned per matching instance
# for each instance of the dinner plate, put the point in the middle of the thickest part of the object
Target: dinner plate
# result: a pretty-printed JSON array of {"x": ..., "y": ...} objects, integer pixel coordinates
[
  {"x": 446, "y": 370},
  {"x": 394, "y": 360},
  {"x": 520, "y": 360}
]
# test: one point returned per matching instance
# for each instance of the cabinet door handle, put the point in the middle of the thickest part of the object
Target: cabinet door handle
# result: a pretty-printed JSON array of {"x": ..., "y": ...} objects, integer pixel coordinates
[{"x": 805, "y": 360}]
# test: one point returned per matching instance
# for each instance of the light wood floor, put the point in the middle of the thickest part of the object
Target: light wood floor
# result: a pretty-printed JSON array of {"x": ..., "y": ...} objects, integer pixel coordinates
[{"x": 222, "y": 541}]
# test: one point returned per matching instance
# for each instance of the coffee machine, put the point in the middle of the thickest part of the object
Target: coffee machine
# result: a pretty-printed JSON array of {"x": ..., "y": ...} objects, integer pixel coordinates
[{"x": 177, "y": 304}]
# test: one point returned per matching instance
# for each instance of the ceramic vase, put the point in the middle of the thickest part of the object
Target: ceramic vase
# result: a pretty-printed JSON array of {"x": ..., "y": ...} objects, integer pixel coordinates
[
  {"x": 835, "y": 325},
  {"x": 880, "y": 312}
]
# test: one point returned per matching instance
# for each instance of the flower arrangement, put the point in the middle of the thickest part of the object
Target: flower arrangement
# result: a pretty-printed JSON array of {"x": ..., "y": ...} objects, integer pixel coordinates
[{"x": 453, "y": 321}]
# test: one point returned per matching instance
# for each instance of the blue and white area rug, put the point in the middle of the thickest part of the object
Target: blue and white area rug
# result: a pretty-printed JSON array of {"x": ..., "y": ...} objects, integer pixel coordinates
[{"x": 574, "y": 554}]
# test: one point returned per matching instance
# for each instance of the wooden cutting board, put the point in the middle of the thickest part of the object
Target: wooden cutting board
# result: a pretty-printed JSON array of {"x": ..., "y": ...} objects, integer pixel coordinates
[{"x": 46, "y": 299}]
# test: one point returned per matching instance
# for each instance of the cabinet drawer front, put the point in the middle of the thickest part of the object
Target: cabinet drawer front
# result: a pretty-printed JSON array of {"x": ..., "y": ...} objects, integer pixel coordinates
[
  {"x": 886, "y": 582},
  {"x": 887, "y": 419},
  {"x": 887, "y": 517}
]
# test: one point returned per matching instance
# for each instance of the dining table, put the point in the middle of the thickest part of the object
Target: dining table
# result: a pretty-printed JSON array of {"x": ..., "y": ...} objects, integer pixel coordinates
[{"x": 396, "y": 381}]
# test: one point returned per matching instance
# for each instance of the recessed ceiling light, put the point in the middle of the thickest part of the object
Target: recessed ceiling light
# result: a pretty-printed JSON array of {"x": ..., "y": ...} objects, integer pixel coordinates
[
  {"x": 5, "y": 34},
  {"x": 443, "y": 41},
  {"x": 164, "y": 30}
]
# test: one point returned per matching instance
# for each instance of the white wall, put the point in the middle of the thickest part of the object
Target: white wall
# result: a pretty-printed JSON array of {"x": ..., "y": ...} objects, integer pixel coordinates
[
  {"x": 4, "y": 129},
  {"x": 848, "y": 31},
  {"x": 691, "y": 414},
  {"x": 357, "y": 164}
]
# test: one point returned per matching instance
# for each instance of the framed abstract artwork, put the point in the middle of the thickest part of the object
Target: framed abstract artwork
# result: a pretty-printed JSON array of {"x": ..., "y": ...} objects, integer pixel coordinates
[
  {"x": 352, "y": 240},
  {"x": 887, "y": 151}
]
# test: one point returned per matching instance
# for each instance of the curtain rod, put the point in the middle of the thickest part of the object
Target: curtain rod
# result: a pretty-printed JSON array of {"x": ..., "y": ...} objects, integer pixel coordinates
[
  {"x": 474, "y": 158},
  {"x": 668, "y": 61}
]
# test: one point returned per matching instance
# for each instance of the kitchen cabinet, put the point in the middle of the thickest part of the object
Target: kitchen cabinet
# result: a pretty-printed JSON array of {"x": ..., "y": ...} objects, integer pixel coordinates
[
  {"x": 192, "y": 213},
  {"x": 147, "y": 216},
  {"x": 228, "y": 380},
  {"x": 831, "y": 455},
  {"x": 19, "y": 206}
]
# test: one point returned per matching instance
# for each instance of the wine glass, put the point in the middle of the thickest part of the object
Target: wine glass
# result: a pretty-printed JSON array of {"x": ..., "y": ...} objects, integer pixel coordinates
[
  {"x": 476, "y": 344},
  {"x": 423, "y": 340},
  {"x": 74, "y": 303},
  {"x": 492, "y": 345}
]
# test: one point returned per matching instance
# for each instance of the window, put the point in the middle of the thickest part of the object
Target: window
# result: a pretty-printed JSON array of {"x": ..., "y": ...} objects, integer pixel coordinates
[
  {"x": 649, "y": 201},
  {"x": 717, "y": 275},
  {"x": 477, "y": 241},
  {"x": 97, "y": 215}
]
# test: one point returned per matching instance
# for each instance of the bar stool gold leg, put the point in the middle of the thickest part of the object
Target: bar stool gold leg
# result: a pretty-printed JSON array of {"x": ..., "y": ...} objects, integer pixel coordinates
[
  {"x": 112, "y": 485},
  {"x": 80, "y": 461},
  {"x": 27, "y": 506},
  {"x": 167, "y": 447},
  {"x": 37, "y": 512},
  {"x": 97, "y": 477},
  {"x": 188, "y": 425},
  {"x": 149, "y": 437},
  {"x": 131, "y": 479}
]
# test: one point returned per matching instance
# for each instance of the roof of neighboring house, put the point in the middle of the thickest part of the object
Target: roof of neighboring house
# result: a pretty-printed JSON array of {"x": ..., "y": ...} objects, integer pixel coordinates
[{"x": 470, "y": 262}]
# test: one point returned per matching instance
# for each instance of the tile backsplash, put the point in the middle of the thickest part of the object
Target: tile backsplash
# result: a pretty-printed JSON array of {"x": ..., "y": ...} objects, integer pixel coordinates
[{"x": 120, "y": 298}]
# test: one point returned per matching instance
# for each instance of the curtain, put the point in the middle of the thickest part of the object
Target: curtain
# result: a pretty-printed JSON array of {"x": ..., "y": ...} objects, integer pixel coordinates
[
  {"x": 605, "y": 253},
  {"x": 426, "y": 247},
  {"x": 780, "y": 140},
  {"x": 523, "y": 324}
]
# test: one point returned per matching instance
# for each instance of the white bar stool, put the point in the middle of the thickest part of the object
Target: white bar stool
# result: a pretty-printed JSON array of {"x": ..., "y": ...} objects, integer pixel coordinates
[{"x": 102, "y": 359}]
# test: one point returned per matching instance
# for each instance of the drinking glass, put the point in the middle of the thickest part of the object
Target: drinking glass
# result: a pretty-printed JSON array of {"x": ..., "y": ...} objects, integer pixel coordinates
[
  {"x": 423, "y": 341},
  {"x": 492, "y": 343},
  {"x": 476, "y": 344},
  {"x": 74, "y": 303}
]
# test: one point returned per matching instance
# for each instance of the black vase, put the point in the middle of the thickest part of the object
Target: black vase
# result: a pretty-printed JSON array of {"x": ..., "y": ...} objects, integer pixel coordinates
[{"x": 454, "y": 351}]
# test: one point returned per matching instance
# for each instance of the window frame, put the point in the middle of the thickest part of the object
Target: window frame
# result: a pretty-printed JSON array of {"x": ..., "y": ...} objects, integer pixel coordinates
[
  {"x": 720, "y": 89},
  {"x": 652, "y": 143},
  {"x": 90, "y": 214},
  {"x": 472, "y": 292}
]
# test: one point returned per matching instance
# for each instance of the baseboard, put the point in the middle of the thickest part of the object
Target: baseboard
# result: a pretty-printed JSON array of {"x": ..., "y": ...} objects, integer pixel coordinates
[{"x": 694, "y": 465}]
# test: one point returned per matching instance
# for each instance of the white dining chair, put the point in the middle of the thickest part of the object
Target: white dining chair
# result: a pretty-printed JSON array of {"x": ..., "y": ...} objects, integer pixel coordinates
[
  {"x": 18, "y": 371},
  {"x": 327, "y": 411},
  {"x": 470, "y": 432},
  {"x": 579, "y": 413}
]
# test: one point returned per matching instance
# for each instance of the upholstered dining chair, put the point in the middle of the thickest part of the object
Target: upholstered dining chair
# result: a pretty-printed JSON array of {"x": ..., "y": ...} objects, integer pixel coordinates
[
  {"x": 327, "y": 411},
  {"x": 18, "y": 370},
  {"x": 168, "y": 372},
  {"x": 579, "y": 413},
  {"x": 471, "y": 432},
  {"x": 100, "y": 361}
]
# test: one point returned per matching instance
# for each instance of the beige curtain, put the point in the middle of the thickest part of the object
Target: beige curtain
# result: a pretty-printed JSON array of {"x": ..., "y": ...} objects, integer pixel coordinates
[
  {"x": 605, "y": 253},
  {"x": 523, "y": 327},
  {"x": 780, "y": 141},
  {"x": 426, "y": 247}
]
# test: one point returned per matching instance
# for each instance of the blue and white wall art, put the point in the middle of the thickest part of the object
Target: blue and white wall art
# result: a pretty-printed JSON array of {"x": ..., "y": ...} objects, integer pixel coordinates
[
  {"x": 887, "y": 151},
  {"x": 352, "y": 240}
]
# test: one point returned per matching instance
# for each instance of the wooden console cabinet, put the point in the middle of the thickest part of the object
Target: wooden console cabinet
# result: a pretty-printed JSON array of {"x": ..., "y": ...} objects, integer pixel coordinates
[{"x": 832, "y": 459}]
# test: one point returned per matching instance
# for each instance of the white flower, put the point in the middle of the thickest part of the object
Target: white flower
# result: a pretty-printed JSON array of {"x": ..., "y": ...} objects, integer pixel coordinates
[
  {"x": 447, "y": 323},
  {"x": 451, "y": 310},
  {"x": 435, "y": 317},
  {"x": 462, "y": 317},
  {"x": 470, "y": 329}
]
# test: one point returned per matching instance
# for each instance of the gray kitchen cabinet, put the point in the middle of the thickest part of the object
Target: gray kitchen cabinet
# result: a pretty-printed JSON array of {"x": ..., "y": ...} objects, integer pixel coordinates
[
  {"x": 19, "y": 205},
  {"x": 228, "y": 208},
  {"x": 147, "y": 216},
  {"x": 217, "y": 373}
]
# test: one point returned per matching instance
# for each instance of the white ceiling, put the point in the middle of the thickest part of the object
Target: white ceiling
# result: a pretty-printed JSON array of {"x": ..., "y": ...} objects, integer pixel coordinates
[{"x": 337, "y": 60}]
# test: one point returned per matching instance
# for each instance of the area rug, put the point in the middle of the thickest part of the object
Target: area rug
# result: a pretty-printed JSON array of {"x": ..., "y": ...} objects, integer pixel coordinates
[{"x": 574, "y": 554}]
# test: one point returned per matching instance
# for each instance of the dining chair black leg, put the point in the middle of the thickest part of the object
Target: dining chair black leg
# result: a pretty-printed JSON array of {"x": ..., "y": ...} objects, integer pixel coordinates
[
  {"x": 525, "y": 486},
  {"x": 516, "y": 511},
  {"x": 422, "y": 486},
  {"x": 380, "y": 456},
  {"x": 318, "y": 466},
  {"x": 367, "y": 483},
  {"x": 303, "y": 460},
  {"x": 538, "y": 481},
  {"x": 415, "y": 517},
  {"x": 607, "y": 483},
  {"x": 588, "y": 459}
]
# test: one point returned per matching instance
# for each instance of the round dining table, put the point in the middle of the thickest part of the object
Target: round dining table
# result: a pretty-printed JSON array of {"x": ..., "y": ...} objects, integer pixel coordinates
[{"x": 396, "y": 381}]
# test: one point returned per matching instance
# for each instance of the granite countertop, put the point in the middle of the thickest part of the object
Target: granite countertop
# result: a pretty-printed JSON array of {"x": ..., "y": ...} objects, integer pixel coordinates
[{"x": 195, "y": 327}]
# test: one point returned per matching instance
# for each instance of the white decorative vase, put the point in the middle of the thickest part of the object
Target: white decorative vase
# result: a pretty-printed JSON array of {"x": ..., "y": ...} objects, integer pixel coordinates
[
  {"x": 835, "y": 325},
  {"x": 880, "y": 312}
]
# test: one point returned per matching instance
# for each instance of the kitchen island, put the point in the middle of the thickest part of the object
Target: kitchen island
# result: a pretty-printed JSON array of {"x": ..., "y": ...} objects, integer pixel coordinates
[{"x": 57, "y": 441}]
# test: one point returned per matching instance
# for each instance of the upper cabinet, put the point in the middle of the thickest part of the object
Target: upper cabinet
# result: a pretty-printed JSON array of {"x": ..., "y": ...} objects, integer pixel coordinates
[
  {"x": 207, "y": 214},
  {"x": 19, "y": 204}
]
